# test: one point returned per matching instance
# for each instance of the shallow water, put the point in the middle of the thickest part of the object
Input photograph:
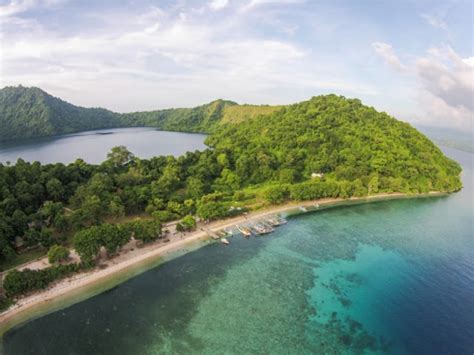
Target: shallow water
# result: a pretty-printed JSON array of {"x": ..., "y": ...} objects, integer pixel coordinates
[
  {"x": 387, "y": 277},
  {"x": 93, "y": 146}
]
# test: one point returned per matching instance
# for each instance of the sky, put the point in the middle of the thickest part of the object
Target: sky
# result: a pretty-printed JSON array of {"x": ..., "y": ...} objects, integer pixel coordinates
[{"x": 412, "y": 59}]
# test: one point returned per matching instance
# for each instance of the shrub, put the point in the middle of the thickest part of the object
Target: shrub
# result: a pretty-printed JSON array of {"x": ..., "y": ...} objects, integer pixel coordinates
[
  {"x": 146, "y": 231},
  {"x": 211, "y": 210},
  {"x": 189, "y": 223},
  {"x": 277, "y": 193},
  {"x": 57, "y": 254},
  {"x": 20, "y": 282}
]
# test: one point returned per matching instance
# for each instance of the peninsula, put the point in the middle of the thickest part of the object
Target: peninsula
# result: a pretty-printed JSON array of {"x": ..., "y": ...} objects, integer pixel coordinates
[{"x": 326, "y": 149}]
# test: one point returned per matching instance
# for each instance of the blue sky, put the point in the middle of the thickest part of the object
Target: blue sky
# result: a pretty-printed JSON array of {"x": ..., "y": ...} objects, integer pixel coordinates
[{"x": 413, "y": 59}]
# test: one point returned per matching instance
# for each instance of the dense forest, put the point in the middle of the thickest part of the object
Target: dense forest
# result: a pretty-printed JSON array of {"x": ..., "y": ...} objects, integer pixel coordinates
[
  {"x": 31, "y": 112},
  {"x": 328, "y": 146}
]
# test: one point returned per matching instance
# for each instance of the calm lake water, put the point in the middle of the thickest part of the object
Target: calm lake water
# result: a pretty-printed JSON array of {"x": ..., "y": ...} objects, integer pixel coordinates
[
  {"x": 388, "y": 277},
  {"x": 93, "y": 146}
]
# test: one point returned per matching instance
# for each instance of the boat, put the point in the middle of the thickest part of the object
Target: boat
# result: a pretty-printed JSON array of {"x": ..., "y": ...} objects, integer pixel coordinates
[
  {"x": 257, "y": 230},
  {"x": 222, "y": 233},
  {"x": 303, "y": 209},
  {"x": 225, "y": 241},
  {"x": 262, "y": 229},
  {"x": 276, "y": 222},
  {"x": 228, "y": 232},
  {"x": 247, "y": 232}
]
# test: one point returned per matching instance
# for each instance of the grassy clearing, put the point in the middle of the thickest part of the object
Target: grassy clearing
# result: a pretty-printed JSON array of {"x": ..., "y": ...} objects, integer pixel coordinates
[{"x": 23, "y": 258}]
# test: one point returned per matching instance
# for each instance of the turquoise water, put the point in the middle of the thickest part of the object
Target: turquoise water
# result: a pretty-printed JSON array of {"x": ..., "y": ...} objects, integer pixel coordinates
[
  {"x": 93, "y": 146},
  {"x": 387, "y": 277}
]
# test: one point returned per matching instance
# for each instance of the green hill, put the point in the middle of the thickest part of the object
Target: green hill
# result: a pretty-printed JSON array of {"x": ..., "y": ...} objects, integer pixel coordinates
[
  {"x": 340, "y": 138},
  {"x": 198, "y": 119},
  {"x": 31, "y": 112}
]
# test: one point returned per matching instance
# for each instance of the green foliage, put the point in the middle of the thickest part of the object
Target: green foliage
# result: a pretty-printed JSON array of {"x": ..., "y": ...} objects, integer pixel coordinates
[
  {"x": 277, "y": 193},
  {"x": 5, "y": 303},
  {"x": 163, "y": 216},
  {"x": 194, "y": 188},
  {"x": 113, "y": 237},
  {"x": 87, "y": 243},
  {"x": 31, "y": 112},
  {"x": 146, "y": 231},
  {"x": 55, "y": 189},
  {"x": 119, "y": 156},
  {"x": 188, "y": 222},
  {"x": 211, "y": 210},
  {"x": 338, "y": 137},
  {"x": 58, "y": 253},
  {"x": 198, "y": 119},
  {"x": 53, "y": 214},
  {"x": 20, "y": 282}
]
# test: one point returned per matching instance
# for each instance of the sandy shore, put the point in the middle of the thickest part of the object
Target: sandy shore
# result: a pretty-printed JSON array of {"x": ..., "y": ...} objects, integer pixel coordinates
[{"x": 25, "y": 307}]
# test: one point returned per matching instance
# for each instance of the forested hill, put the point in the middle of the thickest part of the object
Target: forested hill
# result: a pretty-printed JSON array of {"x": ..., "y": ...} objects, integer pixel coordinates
[
  {"x": 198, "y": 119},
  {"x": 340, "y": 138},
  {"x": 31, "y": 112}
]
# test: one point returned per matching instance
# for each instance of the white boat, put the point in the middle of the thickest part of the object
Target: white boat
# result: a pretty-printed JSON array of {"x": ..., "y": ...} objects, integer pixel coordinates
[
  {"x": 225, "y": 241},
  {"x": 303, "y": 209},
  {"x": 245, "y": 231},
  {"x": 277, "y": 221}
]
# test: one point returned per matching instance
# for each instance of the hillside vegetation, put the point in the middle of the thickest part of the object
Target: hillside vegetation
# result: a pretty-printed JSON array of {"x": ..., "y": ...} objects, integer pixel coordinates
[
  {"x": 31, "y": 112},
  {"x": 340, "y": 138},
  {"x": 198, "y": 119}
]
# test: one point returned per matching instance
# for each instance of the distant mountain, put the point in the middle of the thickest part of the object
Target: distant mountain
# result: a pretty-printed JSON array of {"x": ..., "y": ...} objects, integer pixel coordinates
[
  {"x": 31, "y": 112},
  {"x": 457, "y": 139}
]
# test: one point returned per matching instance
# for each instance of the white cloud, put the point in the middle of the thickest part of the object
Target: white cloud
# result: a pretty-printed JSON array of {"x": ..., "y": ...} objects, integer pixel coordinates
[
  {"x": 255, "y": 3},
  {"x": 469, "y": 61},
  {"x": 435, "y": 21},
  {"x": 218, "y": 4},
  {"x": 436, "y": 112},
  {"x": 15, "y": 7},
  {"x": 176, "y": 57},
  {"x": 168, "y": 60},
  {"x": 447, "y": 87},
  {"x": 385, "y": 51}
]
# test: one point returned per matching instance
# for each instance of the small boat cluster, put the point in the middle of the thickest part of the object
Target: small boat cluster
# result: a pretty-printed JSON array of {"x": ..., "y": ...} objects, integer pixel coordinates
[{"x": 261, "y": 227}]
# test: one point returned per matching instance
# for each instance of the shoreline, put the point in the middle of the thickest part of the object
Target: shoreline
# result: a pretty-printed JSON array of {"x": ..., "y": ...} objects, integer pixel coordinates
[{"x": 84, "y": 285}]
